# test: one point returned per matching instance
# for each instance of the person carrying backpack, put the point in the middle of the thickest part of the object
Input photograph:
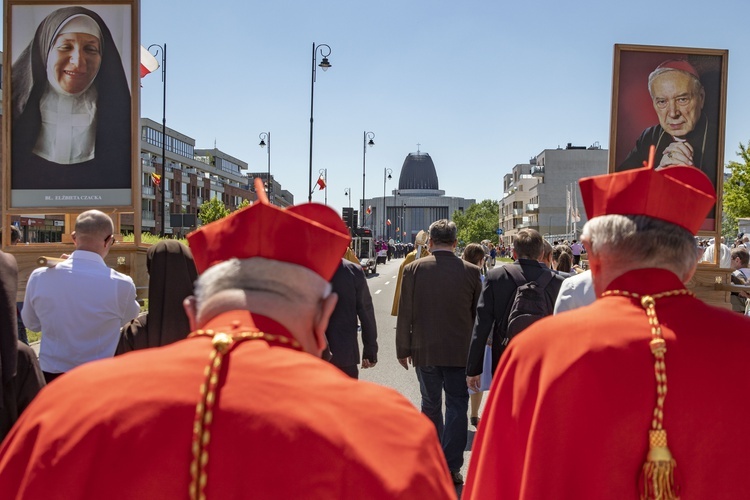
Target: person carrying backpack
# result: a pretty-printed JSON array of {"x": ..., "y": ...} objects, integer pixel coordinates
[{"x": 513, "y": 297}]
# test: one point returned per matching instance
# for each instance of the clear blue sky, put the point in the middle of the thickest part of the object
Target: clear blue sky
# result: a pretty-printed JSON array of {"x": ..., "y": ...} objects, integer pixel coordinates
[{"x": 481, "y": 86}]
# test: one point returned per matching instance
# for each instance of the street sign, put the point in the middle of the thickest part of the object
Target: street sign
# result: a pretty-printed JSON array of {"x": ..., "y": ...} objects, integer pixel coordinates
[{"x": 499, "y": 230}]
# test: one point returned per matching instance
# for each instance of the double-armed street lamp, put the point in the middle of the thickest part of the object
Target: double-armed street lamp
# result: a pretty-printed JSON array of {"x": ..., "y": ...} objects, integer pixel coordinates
[
  {"x": 367, "y": 140},
  {"x": 325, "y": 51},
  {"x": 163, "y": 182},
  {"x": 265, "y": 140}
]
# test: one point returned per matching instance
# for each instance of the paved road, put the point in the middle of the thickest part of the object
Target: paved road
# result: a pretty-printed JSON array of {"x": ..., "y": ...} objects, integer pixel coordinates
[{"x": 388, "y": 371}]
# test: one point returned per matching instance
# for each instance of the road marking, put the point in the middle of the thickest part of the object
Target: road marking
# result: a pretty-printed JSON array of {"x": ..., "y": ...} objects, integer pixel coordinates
[
  {"x": 387, "y": 282},
  {"x": 377, "y": 292}
]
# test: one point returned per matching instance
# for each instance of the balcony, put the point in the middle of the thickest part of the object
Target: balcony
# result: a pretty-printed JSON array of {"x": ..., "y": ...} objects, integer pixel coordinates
[
  {"x": 190, "y": 171},
  {"x": 147, "y": 191},
  {"x": 537, "y": 171},
  {"x": 532, "y": 208},
  {"x": 518, "y": 211},
  {"x": 147, "y": 215}
]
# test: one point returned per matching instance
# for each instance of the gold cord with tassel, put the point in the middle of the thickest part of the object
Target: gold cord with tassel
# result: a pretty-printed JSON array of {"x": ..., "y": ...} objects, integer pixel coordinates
[
  {"x": 657, "y": 480},
  {"x": 204, "y": 411}
]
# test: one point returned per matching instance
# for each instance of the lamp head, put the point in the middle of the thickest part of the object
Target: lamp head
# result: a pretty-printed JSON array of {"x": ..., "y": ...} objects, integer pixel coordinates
[{"x": 324, "y": 64}]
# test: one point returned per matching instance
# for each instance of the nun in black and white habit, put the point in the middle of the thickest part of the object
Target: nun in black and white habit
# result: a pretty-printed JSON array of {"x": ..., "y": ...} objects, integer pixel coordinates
[{"x": 70, "y": 107}]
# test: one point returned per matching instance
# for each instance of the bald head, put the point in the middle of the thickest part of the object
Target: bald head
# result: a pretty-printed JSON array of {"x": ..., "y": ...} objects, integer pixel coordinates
[{"x": 93, "y": 232}]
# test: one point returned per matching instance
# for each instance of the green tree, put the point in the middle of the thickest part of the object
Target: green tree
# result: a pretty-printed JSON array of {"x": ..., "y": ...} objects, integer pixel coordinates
[
  {"x": 212, "y": 210},
  {"x": 245, "y": 202},
  {"x": 479, "y": 222},
  {"x": 737, "y": 192}
]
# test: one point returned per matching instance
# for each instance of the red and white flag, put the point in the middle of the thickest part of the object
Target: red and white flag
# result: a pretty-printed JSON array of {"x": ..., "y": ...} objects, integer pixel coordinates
[
  {"x": 388, "y": 221},
  {"x": 321, "y": 183},
  {"x": 149, "y": 64}
]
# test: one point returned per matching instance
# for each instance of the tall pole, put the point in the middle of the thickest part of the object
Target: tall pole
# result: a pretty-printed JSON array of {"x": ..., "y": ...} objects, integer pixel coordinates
[
  {"x": 349, "y": 193},
  {"x": 324, "y": 174},
  {"x": 324, "y": 64},
  {"x": 263, "y": 136},
  {"x": 163, "y": 183},
  {"x": 365, "y": 136},
  {"x": 386, "y": 172}
]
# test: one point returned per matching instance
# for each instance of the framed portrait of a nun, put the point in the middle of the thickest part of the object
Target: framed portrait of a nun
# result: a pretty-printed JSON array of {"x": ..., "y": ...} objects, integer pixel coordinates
[{"x": 69, "y": 105}]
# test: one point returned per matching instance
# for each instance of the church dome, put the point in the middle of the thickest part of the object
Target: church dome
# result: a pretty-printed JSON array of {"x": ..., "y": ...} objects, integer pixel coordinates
[{"x": 418, "y": 172}]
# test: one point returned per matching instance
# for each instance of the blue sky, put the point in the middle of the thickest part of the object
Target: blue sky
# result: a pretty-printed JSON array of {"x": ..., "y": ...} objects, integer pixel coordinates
[{"x": 481, "y": 86}]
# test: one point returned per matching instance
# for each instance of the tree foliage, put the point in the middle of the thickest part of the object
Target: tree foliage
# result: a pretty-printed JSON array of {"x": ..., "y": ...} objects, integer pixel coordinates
[
  {"x": 737, "y": 191},
  {"x": 479, "y": 222},
  {"x": 244, "y": 203},
  {"x": 212, "y": 210}
]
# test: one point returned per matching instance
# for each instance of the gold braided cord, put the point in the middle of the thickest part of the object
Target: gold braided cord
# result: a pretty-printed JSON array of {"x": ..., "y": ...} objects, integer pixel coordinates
[
  {"x": 222, "y": 344},
  {"x": 657, "y": 481}
]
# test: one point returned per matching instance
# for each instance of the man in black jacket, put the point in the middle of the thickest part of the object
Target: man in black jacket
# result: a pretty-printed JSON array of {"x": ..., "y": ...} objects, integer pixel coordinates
[
  {"x": 354, "y": 302},
  {"x": 496, "y": 300}
]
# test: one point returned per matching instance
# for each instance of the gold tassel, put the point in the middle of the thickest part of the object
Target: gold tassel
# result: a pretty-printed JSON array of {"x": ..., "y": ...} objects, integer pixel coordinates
[{"x": 658, "y": 473}]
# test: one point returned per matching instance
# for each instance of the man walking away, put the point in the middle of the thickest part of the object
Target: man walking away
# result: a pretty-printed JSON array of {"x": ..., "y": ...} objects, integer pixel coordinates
[{"x": 435, "y": 315}]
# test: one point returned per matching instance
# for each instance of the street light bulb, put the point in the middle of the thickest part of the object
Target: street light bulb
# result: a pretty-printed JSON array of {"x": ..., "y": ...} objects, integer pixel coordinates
[
  {"x": 262, "y": 143},
  {"x": 371, "y": 143},
  {"x": 324, "y": 64},
  {"x": 389, "y": 177}
]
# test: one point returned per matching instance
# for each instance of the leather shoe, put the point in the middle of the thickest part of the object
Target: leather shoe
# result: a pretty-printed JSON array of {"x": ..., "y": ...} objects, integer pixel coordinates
[{"x": 457, "y": 477}]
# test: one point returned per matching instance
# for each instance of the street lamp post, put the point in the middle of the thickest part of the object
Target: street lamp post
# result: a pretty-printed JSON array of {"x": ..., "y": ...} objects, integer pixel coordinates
[
  {"x": 348, "y": 192},
  {"x": 265, "y": 140},
  {"x": 403, "y": 225},
  {"x": 388, "y": 172},
  {"x": 324, "y": 174},
  {"x": 325, "y": 51},
  {"x": 163, "y": 182},
  {"x": 365, "y": 143}
]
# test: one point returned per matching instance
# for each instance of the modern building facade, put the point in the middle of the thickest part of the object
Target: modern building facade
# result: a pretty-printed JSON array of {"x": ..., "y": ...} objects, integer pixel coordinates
[
  {"x": 414, "y": 205},
  {"x": 535, "y": 194}
]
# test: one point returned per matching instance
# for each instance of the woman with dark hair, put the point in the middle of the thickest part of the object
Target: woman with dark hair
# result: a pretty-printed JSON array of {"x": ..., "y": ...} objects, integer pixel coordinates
[
  {"x": 564, "y": 263},
  {"x": 171, "y": 276},
  {"x": 70, "y": 107}
]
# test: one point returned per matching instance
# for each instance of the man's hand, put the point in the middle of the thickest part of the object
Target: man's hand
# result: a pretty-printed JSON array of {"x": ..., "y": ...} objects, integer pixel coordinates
[
  {"x": 677, "y": 153},
  {"x": 405, "y": 362},
  {"x": 366, "y": 363},
  {"x": 473, "y": 383}
]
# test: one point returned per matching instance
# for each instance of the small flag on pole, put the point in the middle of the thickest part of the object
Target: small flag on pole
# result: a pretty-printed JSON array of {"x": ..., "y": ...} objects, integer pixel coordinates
[
  {"x": 388, "y": 222},
  {"x": 321, "y": 183},
  {"x": 149, "y": 64},
  {"x": 369, "y": 209},
  {"x": 156, "y": 179}
]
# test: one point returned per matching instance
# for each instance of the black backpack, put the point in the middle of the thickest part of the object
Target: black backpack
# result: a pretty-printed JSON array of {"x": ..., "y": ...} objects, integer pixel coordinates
[{"x": 530, "y": 302}]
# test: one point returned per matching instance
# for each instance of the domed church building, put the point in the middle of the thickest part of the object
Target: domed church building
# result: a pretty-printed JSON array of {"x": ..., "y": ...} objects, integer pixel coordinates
[{"x": 417, "y": 203}]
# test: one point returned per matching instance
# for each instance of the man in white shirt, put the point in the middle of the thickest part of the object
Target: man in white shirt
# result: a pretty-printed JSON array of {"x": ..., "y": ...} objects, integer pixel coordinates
[
  {"x": 576, "y": 291},
  {"x": 80, "y": 304}
]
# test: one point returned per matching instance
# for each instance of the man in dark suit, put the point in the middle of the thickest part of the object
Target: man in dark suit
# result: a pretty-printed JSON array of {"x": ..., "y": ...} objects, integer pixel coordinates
[
  {"x": 497, "y": 294},
  {"x": 439, "y": 294},
  {"x": 354, "y": 302}
]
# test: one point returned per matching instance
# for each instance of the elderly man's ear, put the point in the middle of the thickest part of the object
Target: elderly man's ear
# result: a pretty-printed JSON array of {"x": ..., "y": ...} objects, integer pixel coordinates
[
  {"x": 320, "y": 325},
  {"x": 190, "y": 311}
]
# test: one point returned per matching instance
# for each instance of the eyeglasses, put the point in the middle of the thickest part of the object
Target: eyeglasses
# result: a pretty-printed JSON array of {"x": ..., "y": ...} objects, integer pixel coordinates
[{"x": 108, "y": 238}]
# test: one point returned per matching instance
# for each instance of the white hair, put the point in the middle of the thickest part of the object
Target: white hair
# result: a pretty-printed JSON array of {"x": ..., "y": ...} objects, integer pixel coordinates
[
  {"x": 291, "y": 282},
  {"x": 644, "y": 240}
]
